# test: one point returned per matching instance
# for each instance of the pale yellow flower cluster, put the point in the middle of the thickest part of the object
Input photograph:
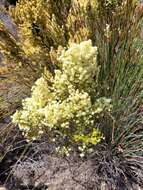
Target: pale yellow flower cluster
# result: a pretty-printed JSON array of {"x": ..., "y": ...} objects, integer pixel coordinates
[
  {"x": 63, "y": 104},
  {"x": 58, "y": 113},
  {"x": 79, "y": 63},
  {"x": 29, "y": 119},
  {"x": 78, "y": 69}
]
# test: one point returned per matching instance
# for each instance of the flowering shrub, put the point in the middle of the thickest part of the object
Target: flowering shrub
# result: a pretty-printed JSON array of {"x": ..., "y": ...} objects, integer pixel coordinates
[{"x": 66, "y": 105}]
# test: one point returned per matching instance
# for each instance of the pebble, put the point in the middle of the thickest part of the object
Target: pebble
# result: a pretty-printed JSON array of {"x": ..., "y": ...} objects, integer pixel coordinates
[{"x": 3, "y": 188}]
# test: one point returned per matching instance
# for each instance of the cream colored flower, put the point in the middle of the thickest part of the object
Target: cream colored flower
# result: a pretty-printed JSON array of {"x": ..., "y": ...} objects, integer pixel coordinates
[{"x": 67, "y": 103}]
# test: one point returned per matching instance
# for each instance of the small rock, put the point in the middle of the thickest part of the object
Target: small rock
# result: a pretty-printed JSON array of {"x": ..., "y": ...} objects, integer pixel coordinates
[
  {"x": 9, "y": 25},
  {"x": 3, "y": 188}
]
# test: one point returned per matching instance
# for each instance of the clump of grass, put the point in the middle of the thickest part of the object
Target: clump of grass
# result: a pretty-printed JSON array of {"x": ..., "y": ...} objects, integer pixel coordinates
[{"x": 120, "y": 57}]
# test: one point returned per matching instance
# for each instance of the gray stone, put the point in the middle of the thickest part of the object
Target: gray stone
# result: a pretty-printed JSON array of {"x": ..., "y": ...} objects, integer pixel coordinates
[{"x": 9, "y": 25}]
